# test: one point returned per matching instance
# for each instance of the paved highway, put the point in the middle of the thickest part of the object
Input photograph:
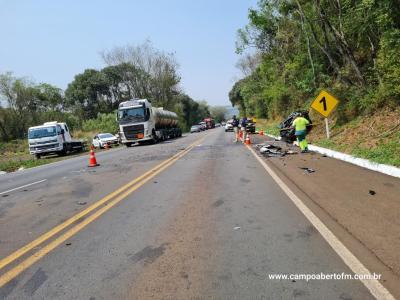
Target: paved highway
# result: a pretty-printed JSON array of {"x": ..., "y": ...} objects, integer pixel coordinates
[{"x": 192, "y": 218}]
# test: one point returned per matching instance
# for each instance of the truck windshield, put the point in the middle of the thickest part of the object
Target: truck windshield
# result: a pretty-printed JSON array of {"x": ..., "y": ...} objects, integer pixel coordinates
[
  {"x": 36, "y": 133},
  {"x": 135, "y": 114}
]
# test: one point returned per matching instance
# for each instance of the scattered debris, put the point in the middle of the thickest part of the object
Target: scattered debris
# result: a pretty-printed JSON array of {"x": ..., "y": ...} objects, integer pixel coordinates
[
  {"x": 307, "y": 170},
  {"x": 2, "y": 172},
  {"x": 372, "y": 192},
  {"x": 68, "y": 244},
  {"x": 155, "y": 181},
  {"x": 21, "y": 169},
  {"x": 272, "y": 150},
  {"x": 236, "y": 228},
  {"x": 324, "y": 155},
  {"x": 5, "y": 195},
  {"x": 81, "y": 202}
]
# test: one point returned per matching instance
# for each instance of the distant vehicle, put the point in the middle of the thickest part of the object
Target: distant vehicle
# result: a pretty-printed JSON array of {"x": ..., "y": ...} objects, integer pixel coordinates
[
  {"x": 195, "y": 128},
  {"x": 287, "y": 133},
  {"x": 139, "y": 121},
  {"x": 52, "y": 138},
  {"x": 250, "y": 126},
  {"x": 203, "y": 125},
  {"x": 218, "y": 125},
  {"x": 210, "y": 123},
  {"x": 228, "y": 126},
  {"x": 100, "y": 140}
]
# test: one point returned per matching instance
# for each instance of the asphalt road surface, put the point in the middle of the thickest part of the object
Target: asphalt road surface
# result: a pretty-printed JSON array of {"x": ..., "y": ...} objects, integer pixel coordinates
[{"x": 192, "y": 218}]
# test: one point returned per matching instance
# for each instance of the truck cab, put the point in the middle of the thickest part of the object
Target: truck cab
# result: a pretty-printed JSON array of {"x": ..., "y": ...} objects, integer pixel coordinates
[
  {"x": 51, "y": 137},
  {"x": 139, "y": 122}
]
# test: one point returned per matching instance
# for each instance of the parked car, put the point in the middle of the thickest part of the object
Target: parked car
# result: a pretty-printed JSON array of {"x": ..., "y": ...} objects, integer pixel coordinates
[
  {"x": 203, "y": 125},
  {"x": 100, "y": 140},
  {"x": 195, "y": 128},
  {"x": 228, "y": 126},
  {"x": 218, "y": 125},
  {"x": 250, "y": 126}
]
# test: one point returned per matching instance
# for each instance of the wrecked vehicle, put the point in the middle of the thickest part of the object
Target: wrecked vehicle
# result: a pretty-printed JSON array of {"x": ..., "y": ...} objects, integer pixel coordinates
[{"x": 287, "y": 133}]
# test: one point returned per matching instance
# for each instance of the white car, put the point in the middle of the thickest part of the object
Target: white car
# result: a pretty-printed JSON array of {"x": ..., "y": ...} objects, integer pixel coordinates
[
  {"x": 228, "y": 126},
  {"x": 100, "y": 140}
]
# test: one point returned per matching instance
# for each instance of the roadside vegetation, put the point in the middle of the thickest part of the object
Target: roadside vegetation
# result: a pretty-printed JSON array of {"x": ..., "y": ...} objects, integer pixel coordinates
[{"x": 350, "y": 48}]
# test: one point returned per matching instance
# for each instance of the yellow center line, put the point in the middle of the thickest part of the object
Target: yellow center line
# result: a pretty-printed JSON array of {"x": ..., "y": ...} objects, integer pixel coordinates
[
  {"x": 149, "y": 174},
  {"x": 14, "y": 272}
]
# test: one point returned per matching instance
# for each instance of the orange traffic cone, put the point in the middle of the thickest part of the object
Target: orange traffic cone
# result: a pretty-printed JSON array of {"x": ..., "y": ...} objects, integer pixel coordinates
[
  {"x": 92, "y": 159},
  {"x": 247, "y": 141},
  {"x": 261, "y": 132}
]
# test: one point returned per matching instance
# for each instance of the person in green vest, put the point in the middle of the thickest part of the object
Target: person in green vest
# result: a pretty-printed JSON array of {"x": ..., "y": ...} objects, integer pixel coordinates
[{"x": 300, "y": 127}]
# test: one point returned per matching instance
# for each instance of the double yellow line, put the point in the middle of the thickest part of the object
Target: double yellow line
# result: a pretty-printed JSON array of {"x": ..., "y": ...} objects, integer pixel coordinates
[{"x": 84, "y": 216}]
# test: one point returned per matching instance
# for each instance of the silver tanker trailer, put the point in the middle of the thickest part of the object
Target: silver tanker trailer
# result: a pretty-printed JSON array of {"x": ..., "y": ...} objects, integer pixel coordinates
[{"x": 139, "y": 121}]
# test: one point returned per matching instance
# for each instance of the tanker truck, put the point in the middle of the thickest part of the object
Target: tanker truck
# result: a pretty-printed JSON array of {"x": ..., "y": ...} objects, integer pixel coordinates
[{"x": 139, "y": 122}]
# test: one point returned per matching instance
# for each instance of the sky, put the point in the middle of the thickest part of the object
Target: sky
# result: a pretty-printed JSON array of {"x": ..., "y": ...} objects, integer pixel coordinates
[{"x": 52, "y": 41}]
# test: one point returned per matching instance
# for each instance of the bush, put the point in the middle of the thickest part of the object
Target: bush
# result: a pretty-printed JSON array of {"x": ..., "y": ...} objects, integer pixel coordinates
[{"x": 103, "y": 123}]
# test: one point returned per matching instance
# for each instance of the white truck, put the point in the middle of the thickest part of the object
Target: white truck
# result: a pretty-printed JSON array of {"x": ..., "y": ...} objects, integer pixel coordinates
[
  {"x": 139, "y": 122},
  {"x": 50, "y": 138}
]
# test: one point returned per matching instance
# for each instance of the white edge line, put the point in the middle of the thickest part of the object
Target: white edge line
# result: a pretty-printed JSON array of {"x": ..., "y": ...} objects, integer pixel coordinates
[
  {"x": 20, "y": 187},
  {"x": 361, "y": 162},
  {"x": 374, "y": 286}
]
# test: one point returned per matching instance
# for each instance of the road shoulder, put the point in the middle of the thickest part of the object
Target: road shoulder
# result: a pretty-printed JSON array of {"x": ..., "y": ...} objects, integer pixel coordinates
[{"x": 339, "y": 194}]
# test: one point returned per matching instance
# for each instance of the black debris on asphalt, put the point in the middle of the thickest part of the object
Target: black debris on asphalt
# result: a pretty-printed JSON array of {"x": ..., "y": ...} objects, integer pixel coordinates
[
  {"x": 307, "y": 170},
  {"x": 372, "y": 192}
]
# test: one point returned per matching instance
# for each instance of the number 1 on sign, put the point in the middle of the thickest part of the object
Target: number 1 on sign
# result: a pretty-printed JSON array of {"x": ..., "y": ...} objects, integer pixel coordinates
[{"x": 323, "y": 101}]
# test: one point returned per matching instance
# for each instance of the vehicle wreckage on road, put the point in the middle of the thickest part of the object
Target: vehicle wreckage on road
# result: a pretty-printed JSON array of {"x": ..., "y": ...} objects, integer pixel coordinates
[{"x": 287, "y": 132}]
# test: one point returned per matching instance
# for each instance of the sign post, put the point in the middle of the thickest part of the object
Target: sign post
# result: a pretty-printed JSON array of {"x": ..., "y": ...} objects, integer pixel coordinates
[
  {"x": 328, "y": 134},
  {"x": 324, "y": 104}
]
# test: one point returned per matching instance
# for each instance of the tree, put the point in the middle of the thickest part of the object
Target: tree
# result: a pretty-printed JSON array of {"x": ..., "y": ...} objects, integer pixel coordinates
[
  {"x": 87, "y": 94},
  {"x": 160, "y": 78},
  {"x": 218, "y": 113}
]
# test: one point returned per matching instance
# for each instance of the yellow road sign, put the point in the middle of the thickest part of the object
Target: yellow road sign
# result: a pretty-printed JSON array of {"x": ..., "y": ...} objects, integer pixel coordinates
[{"x": 325, "y": 103}]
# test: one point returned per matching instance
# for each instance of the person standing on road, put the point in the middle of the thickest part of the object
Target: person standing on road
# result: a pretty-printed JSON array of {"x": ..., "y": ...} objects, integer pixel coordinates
[
  {"x": 300, "y": 127},
  {"x": 243, "y": 125},
  {"x": 235, "y": 124}
]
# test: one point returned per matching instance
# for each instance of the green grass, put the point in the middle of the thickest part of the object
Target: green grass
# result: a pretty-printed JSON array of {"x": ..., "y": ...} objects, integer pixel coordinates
[
  {"x": 268, "y": 127},
  {"x": 13, "y": 165}
]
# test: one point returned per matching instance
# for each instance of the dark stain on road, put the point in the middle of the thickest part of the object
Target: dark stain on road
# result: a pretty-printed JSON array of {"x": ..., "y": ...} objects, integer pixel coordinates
[
  {"x": 82, "y": 189},
  {"x": 218, "y": 203},
  {"x": 244, "y": 180},
  {"x": 35, "y": 282},
  {"x": 148, "y": 254},
  {"x": 345, "y": 297},
  {"x": 309, "y": 231},
  {"x": 299, "y": 293},
  {"x": 8, "y": 288}
]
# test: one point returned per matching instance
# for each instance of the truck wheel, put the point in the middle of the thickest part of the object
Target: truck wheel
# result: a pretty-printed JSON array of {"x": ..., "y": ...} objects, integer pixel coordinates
[
  {"x": 128, "y": 145},
  {"x": 63, "y": 152},
  {"x": 37, "y": 156}
]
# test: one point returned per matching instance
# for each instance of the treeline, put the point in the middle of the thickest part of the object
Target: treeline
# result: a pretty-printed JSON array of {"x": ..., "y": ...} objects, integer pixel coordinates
[
  {"x": 351, "y": 48},
  {"x": 91, "y": 99}
]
